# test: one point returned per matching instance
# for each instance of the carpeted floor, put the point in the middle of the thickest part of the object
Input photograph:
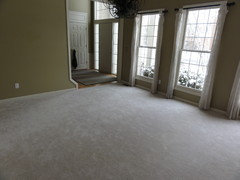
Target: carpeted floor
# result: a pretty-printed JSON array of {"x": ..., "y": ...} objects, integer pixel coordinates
[{"x": 114, "y": 132}]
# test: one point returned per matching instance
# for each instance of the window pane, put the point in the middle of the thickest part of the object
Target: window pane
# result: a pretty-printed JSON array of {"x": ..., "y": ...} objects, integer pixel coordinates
[
  {"x": 185, "y": 57},
  {"x": 195, "y": 58},
  {"x": 192, "y": 70},
  {"x": 149, "y": 30},
  {"x": 208, "y": 44},
  {"x": 203, "y": 16},
  {"x": 198, "y": 44},
  {"x": 204, "y": 59},
  {"x": 213, "y": 15},
  {"x": 201, "y": 30},
  {"x": 189, "y": 43},
  {"x": 192, "y": 17},
  {"x": 200, "y": 27},
  {"x": 190, "y": 30},
  {"x": 183, "y": 74},
  {"x": 96, "y": 46},
  {"x": 146, "y": 62},
  {"x": 211, "y": 30},
  {"x": 101, "y": 12},
  {"x": 114, "y": 47}
]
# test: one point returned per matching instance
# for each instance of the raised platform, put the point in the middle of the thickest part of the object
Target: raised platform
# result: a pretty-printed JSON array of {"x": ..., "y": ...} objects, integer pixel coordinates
[{"x": 89, "y": 77}]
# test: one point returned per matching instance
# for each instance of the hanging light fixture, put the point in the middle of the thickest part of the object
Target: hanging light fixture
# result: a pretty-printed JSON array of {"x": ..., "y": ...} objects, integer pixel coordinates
[{"x": 123, "y": 8}]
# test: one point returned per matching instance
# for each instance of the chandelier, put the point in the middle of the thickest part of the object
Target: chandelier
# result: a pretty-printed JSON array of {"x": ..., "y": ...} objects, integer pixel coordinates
[{"x": 123, "y": 8}]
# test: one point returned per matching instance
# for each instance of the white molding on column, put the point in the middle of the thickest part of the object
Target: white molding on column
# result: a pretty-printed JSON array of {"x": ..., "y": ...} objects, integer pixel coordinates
[
  {"x": 68, "y": 46},
  {"x": 81, "y": 17}
]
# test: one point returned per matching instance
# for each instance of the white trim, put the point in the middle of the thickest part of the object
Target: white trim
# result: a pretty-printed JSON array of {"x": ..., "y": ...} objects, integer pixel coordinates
[
  {"x": 188, "y": 90},
  {"x": 75, "y": 16},
  {"x": 151, "y": 11},
  {"x": 205, "y": 4},
  {"x": 105, "y": 21},
  {"x": 68, "y": 46}
]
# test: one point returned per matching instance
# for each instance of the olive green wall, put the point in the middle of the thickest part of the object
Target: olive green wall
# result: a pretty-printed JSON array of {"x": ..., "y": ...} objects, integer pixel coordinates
[
  {"x": 33, "y": 47},
  {"x": 228, "y": 57}
]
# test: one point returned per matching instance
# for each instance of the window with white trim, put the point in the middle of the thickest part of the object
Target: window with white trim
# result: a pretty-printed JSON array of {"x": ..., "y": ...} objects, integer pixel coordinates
[
  {"x": 147, "y": 45},
  {"x": 114, "y": 48},
  {"x": 196, "y": 48},
  {"x": 96, "y": 46},
  {"x": 101, "y": 11}
]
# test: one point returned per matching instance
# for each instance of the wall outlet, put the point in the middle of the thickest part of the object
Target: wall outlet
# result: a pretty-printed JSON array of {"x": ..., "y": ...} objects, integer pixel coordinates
[
  {"x": 159, "y": 82},
  {"x": 17, "y": 86}
]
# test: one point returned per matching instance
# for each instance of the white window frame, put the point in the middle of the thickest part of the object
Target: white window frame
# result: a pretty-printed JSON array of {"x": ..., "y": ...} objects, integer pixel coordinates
[
  {"x": 143, "y": 78},
  {"x": 179, "y": 87},
  {"x": 95, "y": 67},
  {"x": 113, "y": 33}
]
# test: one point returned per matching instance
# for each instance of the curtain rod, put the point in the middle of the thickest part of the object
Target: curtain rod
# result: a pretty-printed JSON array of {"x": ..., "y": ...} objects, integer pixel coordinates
[
  {"x": 214, "y": 5},
  {"x": 152, "y": 12}
]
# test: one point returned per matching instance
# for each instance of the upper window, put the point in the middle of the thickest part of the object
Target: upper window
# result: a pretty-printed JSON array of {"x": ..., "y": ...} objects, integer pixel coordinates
[
  {"x": 96, "y": 46},
  {"x": 147, "y": 45},
  {"x": 114, "y": 48},
  {"x": 101, "y": 12},
  {"x": 197, "y": 44}
]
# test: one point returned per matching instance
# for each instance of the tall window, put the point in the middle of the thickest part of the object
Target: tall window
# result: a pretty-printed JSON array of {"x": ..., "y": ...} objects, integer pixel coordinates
[
  {"x": 96, "y": 46},
  {"x": 147, "y": 45},
  {"x": 114, "y": 48},
  {"x": 101, "y": 12},
  {"x": 197, "y": 44}
]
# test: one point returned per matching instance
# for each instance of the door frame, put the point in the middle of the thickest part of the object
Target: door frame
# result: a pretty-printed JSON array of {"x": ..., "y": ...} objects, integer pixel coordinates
[
  {"x": 120, "y": 42},
  {"x": 69, "y": 44}
]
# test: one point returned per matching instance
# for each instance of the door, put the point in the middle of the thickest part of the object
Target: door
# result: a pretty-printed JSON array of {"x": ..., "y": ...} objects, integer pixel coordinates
[{"x": 79, "y": 38}]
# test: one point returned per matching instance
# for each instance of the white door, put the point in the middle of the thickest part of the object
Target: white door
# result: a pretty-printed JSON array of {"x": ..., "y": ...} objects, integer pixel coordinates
[{"x": 79, "y": 38}]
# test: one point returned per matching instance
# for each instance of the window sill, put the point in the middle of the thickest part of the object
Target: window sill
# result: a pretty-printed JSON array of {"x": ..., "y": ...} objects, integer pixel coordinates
[
  {"x": 188, "y": 90},
  {"x": 146, "y": 79}
]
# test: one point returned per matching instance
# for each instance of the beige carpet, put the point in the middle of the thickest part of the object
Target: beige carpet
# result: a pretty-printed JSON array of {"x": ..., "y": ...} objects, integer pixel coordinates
[{"x": 114, "y": 132}]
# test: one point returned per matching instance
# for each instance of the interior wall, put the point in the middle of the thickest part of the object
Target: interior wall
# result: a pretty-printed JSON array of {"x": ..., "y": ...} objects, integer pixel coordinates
[
  {"x": 33, "y": 47},
  {"x": 105, "y": 47},
  {"x": 228, "y": 57}
]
